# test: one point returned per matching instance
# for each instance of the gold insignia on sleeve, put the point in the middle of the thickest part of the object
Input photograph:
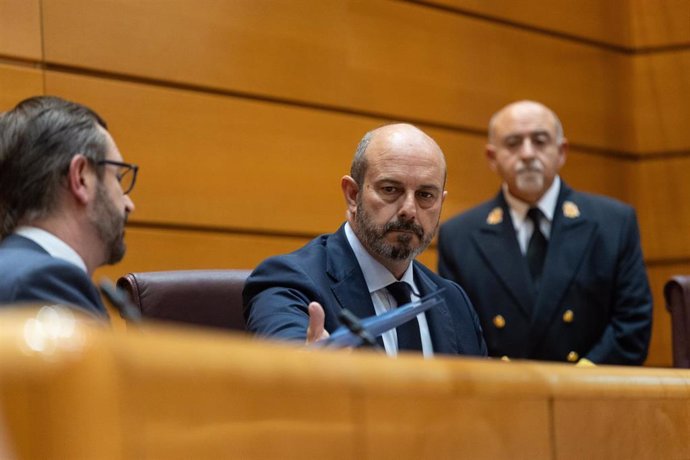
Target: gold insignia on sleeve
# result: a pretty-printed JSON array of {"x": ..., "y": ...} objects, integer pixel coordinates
[
  {"x": 570, "y": 210},
  {"x": 495, "y": 216}
]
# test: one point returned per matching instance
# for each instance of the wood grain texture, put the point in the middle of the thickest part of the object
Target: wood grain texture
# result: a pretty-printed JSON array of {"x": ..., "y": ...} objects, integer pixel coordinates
[
  {"x": 170, "y": 392},
  {"x": 220, "y": 161},
  {"x": 17, "y": 83},
  {"x": 660, "y": 108},
  {"x": 659, "y": 23},
  {"x": 661, "y": 191},
  {"x": 403, "y": 60},
  {"x": 20, "y": 29},
  {"x": 603, "y": 22},
  {"x": 158, "y": 249}
]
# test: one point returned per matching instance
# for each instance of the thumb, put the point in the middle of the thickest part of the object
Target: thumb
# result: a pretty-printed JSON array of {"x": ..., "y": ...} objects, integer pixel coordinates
[{"x": 317, "y": 318}]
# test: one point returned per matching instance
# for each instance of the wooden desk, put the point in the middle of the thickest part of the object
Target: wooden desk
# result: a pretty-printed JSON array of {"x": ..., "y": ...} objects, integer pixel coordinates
[{"x": 173, "y": 393}]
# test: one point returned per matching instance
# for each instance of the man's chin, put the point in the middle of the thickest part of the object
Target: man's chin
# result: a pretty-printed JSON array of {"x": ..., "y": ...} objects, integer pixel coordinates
[
  {"x": 530, "y": 186},
  {"x": 404, "y": 237}
]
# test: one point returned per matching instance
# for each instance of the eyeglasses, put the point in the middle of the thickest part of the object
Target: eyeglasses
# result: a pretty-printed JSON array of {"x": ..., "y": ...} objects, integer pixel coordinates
[{"x": 126, "y": 173}]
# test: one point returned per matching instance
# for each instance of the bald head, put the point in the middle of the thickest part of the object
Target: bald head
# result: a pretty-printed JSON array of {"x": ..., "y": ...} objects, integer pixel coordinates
[
  {"x": 394, "y": 193},
  {"x": 526, "y": 148},
  {"x": 523, "y": 109},
  {"x": 398, "y": 137}
]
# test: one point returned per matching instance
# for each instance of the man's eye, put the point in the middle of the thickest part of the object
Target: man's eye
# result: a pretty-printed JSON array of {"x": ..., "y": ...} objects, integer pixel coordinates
[
  {"x": 513, "y": 142},
  {"x": 425, "y": 195},
  {"x": 389, "y": 189},
  {"x": 540, "y": 140}
]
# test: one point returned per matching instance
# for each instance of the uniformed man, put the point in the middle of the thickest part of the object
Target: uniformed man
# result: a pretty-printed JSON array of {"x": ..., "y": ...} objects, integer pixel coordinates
[{"x": 553, "y": 273}]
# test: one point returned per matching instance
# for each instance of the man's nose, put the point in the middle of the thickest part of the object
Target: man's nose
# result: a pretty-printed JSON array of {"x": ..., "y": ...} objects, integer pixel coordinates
[
  {"x": 129, "y": 204},
  {"x": 527, "y": 150},
  {"x": 408, "y": 208}
]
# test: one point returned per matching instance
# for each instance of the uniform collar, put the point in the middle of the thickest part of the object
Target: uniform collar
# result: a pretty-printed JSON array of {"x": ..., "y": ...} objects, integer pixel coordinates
[{"x": 546, "y": 204}]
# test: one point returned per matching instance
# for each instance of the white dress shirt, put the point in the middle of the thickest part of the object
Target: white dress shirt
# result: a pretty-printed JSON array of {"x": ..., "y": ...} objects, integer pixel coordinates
[{"x": 518, "y": 212}]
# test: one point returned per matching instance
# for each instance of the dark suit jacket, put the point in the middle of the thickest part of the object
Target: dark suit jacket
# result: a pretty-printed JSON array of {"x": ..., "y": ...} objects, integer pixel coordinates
[
  {"x": 29, "y": 274},
  {"x": 594, "y": 298},
  {"x": 277, "y": 294}
]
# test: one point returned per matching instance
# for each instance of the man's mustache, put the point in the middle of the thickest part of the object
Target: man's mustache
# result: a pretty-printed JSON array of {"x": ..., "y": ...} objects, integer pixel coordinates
[
  {"x": 404, "y": 226},
  {"x": 531, "y": 167}
]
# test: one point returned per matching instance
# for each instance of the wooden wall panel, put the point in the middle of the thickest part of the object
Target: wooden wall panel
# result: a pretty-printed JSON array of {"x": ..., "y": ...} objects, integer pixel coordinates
[
  {"x": 168, "y": 249},
  {"x": 661, "y": 199},
  {"x": 626, "y": 23},
  {"x": 605, "y": 22},
  {"x": 358, "y": 56},
  {"x": 660, "y": 22},
  {"x": 222, "y": 161},
  {"x": 17, "y": 83},
  {"x": 20, "y": 29},
  {"x": 236, "y": 164},
  {"x": 661, "y": 111}
]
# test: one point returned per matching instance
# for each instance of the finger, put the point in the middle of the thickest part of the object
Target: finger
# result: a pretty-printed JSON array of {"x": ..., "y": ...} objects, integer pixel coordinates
[{"x": 316, "y": 330}]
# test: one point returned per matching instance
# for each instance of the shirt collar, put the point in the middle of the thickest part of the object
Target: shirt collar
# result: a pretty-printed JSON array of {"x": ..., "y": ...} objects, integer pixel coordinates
[
  {"x": 546, "y": 204},
  {"x": 376, "y": 275},
  {"x": 52, "y": 245}
]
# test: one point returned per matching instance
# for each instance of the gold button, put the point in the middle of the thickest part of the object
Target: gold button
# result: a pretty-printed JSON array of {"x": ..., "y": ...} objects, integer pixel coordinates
[
  {"x": 568, "y": 316},
  {"x": 499, "y": 322},
  {"x": 573, "y": 357}
]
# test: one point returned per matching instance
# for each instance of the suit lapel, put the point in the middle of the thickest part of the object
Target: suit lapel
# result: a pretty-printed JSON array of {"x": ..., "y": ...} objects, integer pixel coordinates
[
  {"x": 438, "y": 318},
  {"x": 571, "y": 235},
  {"x": 348, "y": 284},
  {"x": 496, "y": 241}
]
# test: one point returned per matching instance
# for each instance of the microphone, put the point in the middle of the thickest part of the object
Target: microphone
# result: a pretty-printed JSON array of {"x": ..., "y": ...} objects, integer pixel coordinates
[
  {"x": 352, "y": 323},
  {"x": 121, "y": 301}
]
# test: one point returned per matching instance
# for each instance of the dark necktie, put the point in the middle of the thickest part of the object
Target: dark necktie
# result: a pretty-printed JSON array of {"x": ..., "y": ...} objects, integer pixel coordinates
[
  {"x": 408, "y": 333},
  {"x": 536, "y": 250}
]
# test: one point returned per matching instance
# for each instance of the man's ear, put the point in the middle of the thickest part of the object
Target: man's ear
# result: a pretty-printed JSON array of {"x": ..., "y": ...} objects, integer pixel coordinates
[
  {"x": 563, "y": 151},
  {"x": 350, "y": 192},
  {"x": 80, "y": 178},
  {"x": 491, "y": 157}
]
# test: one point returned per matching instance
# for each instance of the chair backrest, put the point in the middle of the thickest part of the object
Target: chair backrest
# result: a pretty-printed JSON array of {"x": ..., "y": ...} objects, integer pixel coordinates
[
  {"x": 200, "y": 297},
  {"x": 677, "y": 295}
]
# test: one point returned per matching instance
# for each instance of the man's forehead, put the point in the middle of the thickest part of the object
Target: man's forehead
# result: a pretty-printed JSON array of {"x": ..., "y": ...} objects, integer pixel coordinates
[
  {"x": 524, "y": 122},
  {"x": 112, "y": 152}
]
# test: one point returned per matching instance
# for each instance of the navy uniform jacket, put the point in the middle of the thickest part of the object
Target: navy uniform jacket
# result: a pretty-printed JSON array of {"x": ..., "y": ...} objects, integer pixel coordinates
[
  {"x": 594, "y": 301},
  {"x": 277, "y": 294},
  {"x": 29, "y": 274}
]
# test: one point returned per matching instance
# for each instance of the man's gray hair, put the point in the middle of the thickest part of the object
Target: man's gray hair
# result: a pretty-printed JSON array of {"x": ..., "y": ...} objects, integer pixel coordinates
[{"x": 38, "y": 139}]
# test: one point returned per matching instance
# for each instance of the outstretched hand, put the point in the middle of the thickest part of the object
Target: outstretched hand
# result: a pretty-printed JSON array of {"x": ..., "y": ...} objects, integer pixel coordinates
[{"x": 316, "y": 330}]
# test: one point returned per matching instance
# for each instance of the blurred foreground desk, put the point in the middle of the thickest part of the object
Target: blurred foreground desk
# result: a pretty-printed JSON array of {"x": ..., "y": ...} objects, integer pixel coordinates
[{"x": 71, "y": 390}]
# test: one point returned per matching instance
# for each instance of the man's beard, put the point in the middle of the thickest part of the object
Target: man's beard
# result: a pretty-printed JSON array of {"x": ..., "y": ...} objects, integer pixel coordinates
[
  {"x": 109, "y": 224},
  {"x": 374, "y": 237}
]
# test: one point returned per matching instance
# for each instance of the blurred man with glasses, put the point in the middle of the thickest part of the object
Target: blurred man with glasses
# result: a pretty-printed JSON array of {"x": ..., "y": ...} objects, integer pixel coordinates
[{"x": 64, "y": 202}]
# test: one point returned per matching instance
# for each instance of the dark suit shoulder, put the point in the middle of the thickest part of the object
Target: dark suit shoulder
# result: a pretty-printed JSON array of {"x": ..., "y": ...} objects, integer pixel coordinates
[{"x": 29, "y": 275}]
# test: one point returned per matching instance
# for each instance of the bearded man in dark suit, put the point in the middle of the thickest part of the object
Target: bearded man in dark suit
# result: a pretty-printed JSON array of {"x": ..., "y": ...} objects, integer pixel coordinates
[
  {"x": 394, "y": 195},
  {"x": 63, "y": 203}
]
